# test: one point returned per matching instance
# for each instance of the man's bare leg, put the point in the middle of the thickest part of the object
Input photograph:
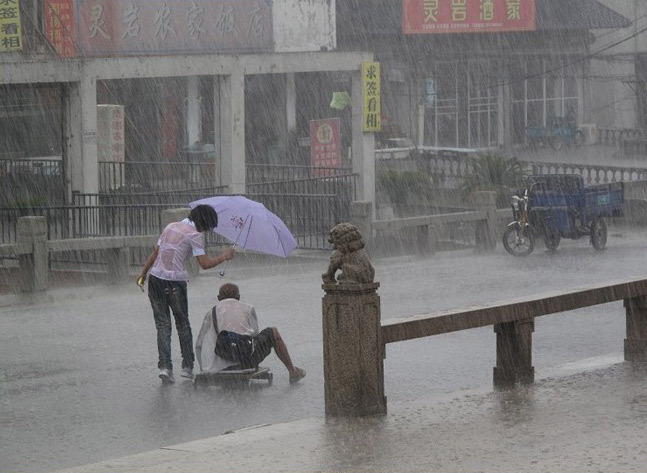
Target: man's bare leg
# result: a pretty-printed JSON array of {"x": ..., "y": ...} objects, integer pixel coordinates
[{"x": 281, "y": 351}]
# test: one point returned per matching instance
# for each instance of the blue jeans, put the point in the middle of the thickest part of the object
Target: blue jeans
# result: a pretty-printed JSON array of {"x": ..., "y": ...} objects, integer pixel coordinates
[{"x": 166, "y": 296}]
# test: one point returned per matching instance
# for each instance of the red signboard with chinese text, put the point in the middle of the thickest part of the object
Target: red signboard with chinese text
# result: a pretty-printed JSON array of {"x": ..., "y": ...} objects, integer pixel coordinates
[
  {"x": 107, "y": 27},
  {"x": 59, "y": 26},
  {"x": 467, "y": 16},
  {"x": 325, "y": 146}
]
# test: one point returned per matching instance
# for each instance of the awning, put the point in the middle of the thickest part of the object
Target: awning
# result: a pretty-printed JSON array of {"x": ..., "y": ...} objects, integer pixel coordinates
[
  {"x": 384, "y": 17},
  {"x": 577, "y": 14}
]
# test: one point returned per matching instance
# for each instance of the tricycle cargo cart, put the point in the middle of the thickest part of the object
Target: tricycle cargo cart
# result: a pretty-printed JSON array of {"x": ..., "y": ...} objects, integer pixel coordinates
[{"x": 560, "y": 206}]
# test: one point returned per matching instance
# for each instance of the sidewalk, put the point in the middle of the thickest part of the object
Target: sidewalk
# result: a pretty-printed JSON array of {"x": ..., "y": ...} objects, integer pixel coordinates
[{"x": 590, "y": 421}]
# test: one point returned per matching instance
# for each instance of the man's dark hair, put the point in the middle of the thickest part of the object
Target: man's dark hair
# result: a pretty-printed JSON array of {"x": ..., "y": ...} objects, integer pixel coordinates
[
  {"x": 204, "y": 217},
  {"x": 228, "y": 291}
]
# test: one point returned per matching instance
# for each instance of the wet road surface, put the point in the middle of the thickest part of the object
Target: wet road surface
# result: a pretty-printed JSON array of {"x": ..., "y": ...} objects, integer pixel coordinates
[
  {"x": 79, "y": 384},
  {"x": 591, "y": 421}
]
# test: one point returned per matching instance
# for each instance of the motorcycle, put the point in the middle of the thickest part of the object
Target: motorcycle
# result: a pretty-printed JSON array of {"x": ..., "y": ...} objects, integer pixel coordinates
[{"x": 519, "y": 238}]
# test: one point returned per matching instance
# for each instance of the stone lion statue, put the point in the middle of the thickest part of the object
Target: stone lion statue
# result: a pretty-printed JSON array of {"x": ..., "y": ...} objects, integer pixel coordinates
[{"x": 349, "y": 256}]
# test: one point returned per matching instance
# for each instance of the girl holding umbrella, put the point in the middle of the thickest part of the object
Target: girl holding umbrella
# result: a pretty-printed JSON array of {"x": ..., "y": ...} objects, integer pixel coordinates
[{"x": 167, "y": 284}]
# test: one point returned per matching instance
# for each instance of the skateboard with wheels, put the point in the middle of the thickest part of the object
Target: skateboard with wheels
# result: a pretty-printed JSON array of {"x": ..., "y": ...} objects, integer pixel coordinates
[{"x": 233, "y": 376}]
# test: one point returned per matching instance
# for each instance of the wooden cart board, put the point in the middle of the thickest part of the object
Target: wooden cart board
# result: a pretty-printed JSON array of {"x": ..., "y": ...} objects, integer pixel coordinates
[{"x": 233, "y": 377}]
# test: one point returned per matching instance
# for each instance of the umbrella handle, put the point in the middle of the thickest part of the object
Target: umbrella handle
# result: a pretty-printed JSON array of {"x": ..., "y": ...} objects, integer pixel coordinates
[{"x": 222, "y": 271}]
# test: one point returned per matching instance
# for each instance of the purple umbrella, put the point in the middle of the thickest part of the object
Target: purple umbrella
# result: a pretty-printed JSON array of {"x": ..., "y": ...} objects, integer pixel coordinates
[{"x": 250, "y": 225}]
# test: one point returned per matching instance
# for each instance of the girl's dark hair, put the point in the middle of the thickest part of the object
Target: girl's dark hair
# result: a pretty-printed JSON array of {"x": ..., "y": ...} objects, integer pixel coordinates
[{"x": 204, "y": 217}]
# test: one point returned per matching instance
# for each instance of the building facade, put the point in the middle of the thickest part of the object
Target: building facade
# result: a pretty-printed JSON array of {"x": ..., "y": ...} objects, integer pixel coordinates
[
  {"x": 230, "y": 79},
  {"x": 461, "y": 81}
]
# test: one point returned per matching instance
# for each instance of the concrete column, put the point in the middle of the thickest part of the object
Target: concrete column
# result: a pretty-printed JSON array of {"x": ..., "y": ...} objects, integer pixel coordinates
[
  {"x": 353, "y": 350},
  {"x": 421, "y": 125},
  {"x": 118, "y": 265},
  {"x": 81, "y": 135},
  {"x": 363, "y": 144},
  {"x": 175, "y": 215},
  {"x": 361, "y": 215},
  {"x": 505, "y": 116},
  {"x": 217, "y": 142},
  {"x": 33, "y": 266},
  {"x": 486, "y": 231},
  {"x": 583, "y": 92},
  {"x": 514, "y": 352},
  {"x": 193, "y": 115},
  {"x": 291, "y": 102},
  {"x": 636, "y": 341},
  {"x": 232, "y": 132}
]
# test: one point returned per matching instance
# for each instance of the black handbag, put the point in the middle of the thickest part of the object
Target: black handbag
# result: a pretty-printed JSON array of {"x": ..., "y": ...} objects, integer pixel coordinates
[{"x": 233, "y": 346}]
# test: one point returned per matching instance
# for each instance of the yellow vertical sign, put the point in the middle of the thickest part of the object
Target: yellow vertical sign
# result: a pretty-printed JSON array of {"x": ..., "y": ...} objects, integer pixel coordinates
[
  {"x": 371, "y": 83},
  {"x": 10, "y": 30}
]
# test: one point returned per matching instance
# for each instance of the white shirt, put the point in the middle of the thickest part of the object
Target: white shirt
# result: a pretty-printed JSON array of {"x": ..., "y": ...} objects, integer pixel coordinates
[
  {"x": 238, "y": 317},
  {"x": 178, "y": 241},
  {"x": 232, "y": 315}
]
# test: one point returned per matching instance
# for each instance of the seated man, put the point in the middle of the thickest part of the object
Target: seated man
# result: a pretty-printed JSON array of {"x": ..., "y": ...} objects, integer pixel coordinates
[{"x": 236, "y": 322}]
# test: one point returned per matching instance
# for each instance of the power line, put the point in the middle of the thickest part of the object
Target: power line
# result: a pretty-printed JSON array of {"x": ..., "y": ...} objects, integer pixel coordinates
[{"x": 576, "y": 61}]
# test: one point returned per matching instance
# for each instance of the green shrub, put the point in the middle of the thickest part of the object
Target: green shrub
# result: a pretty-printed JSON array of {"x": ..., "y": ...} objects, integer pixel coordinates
[
  {"x": 404, "y": 187},
  {"x": 494, "y": 172}
]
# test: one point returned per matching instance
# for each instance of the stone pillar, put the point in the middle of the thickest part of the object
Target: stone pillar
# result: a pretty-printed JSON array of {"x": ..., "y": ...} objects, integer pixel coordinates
[
  {"x": 33, "y": 266},
  {"x": 486, "y": 232},
  {"x": 636, "y": 341},
  {"x": 363, "y": 144},
  {"x": 353, "y": 350},
  {"x": 361, "y": 215},
  {"x": 232, "y": 132},
  {"x": 426, "y": 239},
  {"x": 80, "y": 129},
  {"x": 118, "y": 265},
  {"x": 175, "y": 215},
  {"x": 514, "y": 352}
]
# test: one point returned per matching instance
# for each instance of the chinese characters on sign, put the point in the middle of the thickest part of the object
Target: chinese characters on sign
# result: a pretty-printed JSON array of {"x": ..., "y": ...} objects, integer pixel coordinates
[
  {"x": 111, "y": 141},
  {"x": 10, "y": 27},
  {"x": 144, "y": 26},
  {"x": 110, "y": 133},
  {"x": 467, "y": 16},
  {"x": 371, "y": 84},
  {"x": 325, "y": 146},
  {"x": 59, "y": 26}
]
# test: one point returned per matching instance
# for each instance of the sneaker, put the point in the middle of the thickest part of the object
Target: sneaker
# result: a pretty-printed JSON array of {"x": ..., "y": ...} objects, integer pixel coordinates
[
  {"x": 166, "y": 375},
  {"x": 187, "y": 373},
  {"x": 299, "y": 373}
]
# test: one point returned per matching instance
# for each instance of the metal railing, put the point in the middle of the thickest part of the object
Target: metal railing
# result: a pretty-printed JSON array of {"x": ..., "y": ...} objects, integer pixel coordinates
[
  {"x": 259, "y": 173},
  {"x": 152, "y": 175},
  {"x": 31, "y": 166},
  {"x": 344, "y": 185},
  {"x": 308, "y": 216},
  {"x": 175, "y": 197}
]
